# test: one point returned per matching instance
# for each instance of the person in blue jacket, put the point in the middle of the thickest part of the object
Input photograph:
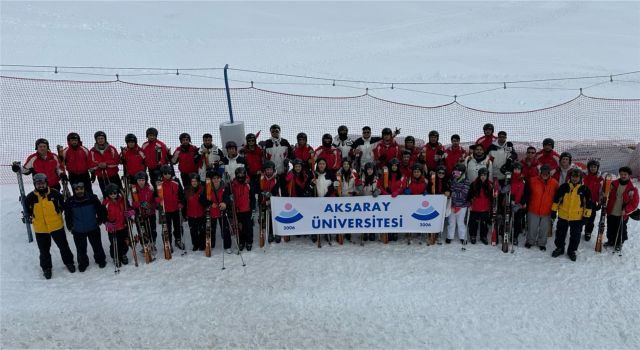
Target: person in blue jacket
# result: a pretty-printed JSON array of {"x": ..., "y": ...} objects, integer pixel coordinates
[{"x": 83, "y": 215}]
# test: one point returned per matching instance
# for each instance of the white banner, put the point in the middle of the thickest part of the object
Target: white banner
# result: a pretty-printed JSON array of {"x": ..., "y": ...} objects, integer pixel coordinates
[{"x": 383, "y": 214}]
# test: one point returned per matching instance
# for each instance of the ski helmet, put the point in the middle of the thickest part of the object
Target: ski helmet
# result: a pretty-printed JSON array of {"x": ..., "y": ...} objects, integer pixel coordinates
[
  {"x": 297, "y": 162},
  {"x": 111, "y": 189},
  {"x": 152, "y": 131},
  {"x": 130, "y": 138},
  {"x": 194, "y": 176},
  {"x": 483, "y": 171},
  {"x": 460, "y": 167},
  {"x": 184, "y": 135},
  {"x": 394, "y": 161},
  {"x": 98, "y": 134},
  {"x": 39, "y": 141},
  {"x": 241, "y": 171},
  {"x": 72, "y": 136},
  {"x": 517, "y": 165},
  {"x": 39, "y": 177},
  {"x": 565, "y": 155},
  {"x": 76, "y": 185},
  {"x": 434, "y": 133},
  {"x": 274, "y": 127},
  {"x": 343, "y": 128},
  {"x": 593, "y": 162},
  {"x": 268, "y": 164},
  {"x": 212, "y": 173},
  {"x": 301, "y": 136},
  {"x": 441, "y": 168},
  {"x": 417, "y": 166},
  {"x": 250, "y": 137},
  {"x": 387, "y": 131},
  {"x": 230, "y": 144},
  {"x": 548, "y": 141},
  {"x": 488, "y": 126},
  {"x": 409, "y": 139},
  {"x": 166, "y": 169},
  {"x": 141, "y": 175},
  {"x": 545, "y": 168}
]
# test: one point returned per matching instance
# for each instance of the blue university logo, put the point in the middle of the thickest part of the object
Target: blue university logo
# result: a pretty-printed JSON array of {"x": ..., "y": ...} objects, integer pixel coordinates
[
  {"x": 289, "y": 215},
  {"x": 426, "y": 212}
]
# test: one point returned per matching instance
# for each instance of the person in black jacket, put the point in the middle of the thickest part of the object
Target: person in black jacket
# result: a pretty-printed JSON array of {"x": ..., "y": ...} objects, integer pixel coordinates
[{"x": 83, "y": 215}]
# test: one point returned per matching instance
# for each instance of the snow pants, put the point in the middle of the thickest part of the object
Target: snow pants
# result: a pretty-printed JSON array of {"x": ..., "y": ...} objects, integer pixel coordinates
[
  {"x": 44, "y": 245},
  {"x": 538, "y": 228},
  {"x": 481, "y": 219},
  {"x": 80, "y": 239},
  {"x": 575, "y": 231},
  {"x": 616, "y": 230},
  {"x": 456, "y": 220},
  {"x": 196, "y": 229}
]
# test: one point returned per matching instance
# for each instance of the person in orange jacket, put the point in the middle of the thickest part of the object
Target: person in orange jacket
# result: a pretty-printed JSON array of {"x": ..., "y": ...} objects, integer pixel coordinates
[{"x": 542, "y": 188}]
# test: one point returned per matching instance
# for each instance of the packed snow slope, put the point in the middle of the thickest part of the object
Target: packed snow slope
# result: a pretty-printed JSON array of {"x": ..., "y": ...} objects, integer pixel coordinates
[
  {"x": 295, "y": 295},
  {"x": 374, "y": 41}
]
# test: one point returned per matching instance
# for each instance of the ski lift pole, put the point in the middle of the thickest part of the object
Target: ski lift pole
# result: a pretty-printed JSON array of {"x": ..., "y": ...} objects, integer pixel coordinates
[{"x": 226, "y": 84}]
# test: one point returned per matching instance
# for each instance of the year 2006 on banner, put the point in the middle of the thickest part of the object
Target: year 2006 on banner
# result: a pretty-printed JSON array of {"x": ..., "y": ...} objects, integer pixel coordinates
[{"x": 366, "y": 214}]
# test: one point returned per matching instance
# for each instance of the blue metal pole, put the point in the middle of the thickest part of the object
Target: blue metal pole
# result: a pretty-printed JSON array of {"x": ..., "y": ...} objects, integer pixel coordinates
[{"x": 226, "y": 84}]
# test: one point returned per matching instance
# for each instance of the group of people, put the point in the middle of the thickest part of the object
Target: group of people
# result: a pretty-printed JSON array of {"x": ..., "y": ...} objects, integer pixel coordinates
[{"x": 486, "y": 186}]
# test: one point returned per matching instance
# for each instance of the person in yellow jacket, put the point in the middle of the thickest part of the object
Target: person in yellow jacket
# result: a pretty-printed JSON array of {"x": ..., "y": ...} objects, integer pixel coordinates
[
  {"x": 572, "y": 205},
  {"x": 45, "y": 206}
]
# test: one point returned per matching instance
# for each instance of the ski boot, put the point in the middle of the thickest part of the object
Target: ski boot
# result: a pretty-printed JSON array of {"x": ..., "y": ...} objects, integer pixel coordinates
[
  {"x": 556, "y": 253},
  {"x": 71, "y": 268},
  {"x": 47, "y": 273}
]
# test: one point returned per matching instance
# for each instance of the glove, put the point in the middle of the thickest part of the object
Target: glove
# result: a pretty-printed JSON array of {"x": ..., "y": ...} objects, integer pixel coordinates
[
  {"x": 394, "y": 194},
  {"x": 111, "y": 226},
  {"x": 130, "y": 213},
  {"x": 144, "y": 205},
  {"x": 285, "y": 163},
  {"x": 375, "y": 193},
  {"x": 515, "y": 208},
  {"x": 15, "y": 167},
  {"x": 505, "y": 188},
  {"x": 554, "y": 215},
  {"x": 407, "y": 191},
  {"x": 64, "y": 177},
  {"x": 425, "y": 193}
]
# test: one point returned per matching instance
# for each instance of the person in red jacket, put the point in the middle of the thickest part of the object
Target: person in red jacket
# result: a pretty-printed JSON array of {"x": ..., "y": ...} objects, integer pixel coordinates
[
  {"x": 133, "y": 159},
  {"x": 530, "y": 164},
  {"x": 330, "y": 154},
  {"x": 156, "y": 154},
  {"x": 104, "y": 162},
  {"x": 213, "y": 199},
  {"x": 116, "y": 224},
  {"x": 253, "y": 157},
  {"x": 187, "y": 157},
  {"x": 406, "y": 167},
  {"x": 144, "y": 202},
  {"x": 488, "y": 138},
  {"x": 548, "y": 156},
  {"x": 172, "y": 202},
  {"x": 410, "y": 146},
  {"x": 241, "y": 196},
  {"x": 299, "y": 181},
  {"x": 623, "y": 200},
  {"x": 519, "y": 199},
  {"x": 268, "y": 188},
  {"x": 439, "y": 184},
  {"x": 433, "y": 152},
  {"x": 42, "y": 162},
  {"x": 77, "y": 162},
  {"x": 480, "y": 196},
  {"x": 593, "y": 180},
  {"x": 454, "y": 154},
  {"x": 304, "y": 152},
  {"x": 194, "y": 211},
  {"x": 386, "y": 149},
  {"x": 417, "y": 183}
]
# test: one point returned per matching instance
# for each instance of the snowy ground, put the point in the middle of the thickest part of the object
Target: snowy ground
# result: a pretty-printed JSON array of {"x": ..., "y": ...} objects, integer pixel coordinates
[
  {"x": 295, "y": 295},
  {"x": 298, "y": 296}
]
